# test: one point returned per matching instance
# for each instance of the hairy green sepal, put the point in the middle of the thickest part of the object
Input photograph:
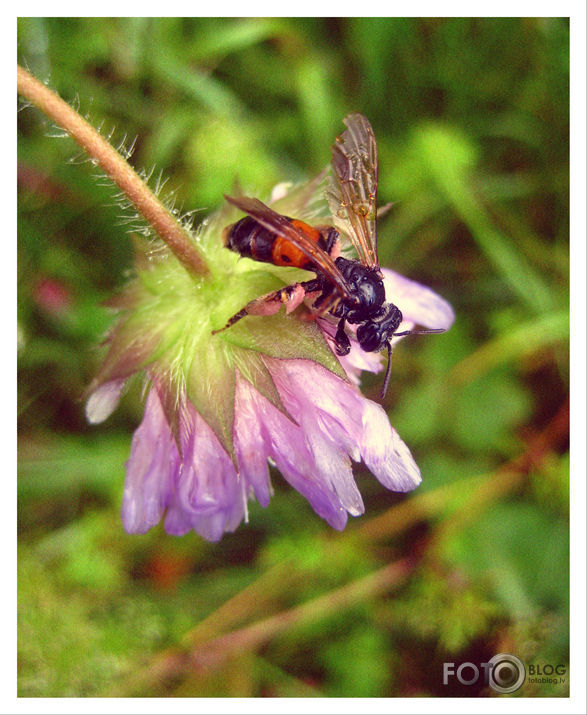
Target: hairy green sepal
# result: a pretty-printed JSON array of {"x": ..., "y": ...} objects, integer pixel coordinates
[{"x": 166, "y": 328}]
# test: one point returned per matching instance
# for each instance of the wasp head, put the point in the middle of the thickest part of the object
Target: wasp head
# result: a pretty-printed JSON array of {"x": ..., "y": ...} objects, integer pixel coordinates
[{"x": 373, "y": 334}]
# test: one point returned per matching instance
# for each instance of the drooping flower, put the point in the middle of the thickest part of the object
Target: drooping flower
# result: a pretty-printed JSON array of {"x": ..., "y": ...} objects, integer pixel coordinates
[{"x": 220, "y": 408}]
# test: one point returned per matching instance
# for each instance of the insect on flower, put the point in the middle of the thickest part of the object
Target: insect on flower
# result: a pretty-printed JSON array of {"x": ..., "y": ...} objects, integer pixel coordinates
[
  {"x": 349, "y": 289},
  {"x": 218, "y": 412}
]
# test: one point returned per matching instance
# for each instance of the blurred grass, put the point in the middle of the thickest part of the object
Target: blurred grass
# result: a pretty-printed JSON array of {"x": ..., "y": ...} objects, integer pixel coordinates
[{"x": 471, "y": 117}]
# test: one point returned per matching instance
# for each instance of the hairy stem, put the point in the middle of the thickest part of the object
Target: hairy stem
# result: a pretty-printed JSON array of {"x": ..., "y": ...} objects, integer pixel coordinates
[{"x": 121, "y": 173}]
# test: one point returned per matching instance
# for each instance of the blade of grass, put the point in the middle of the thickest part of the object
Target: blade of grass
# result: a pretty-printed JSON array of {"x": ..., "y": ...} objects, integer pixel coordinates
[
  {"x": 236, "y": 37},
  {"x": 449, "y": 158},
  {"x": 526, "y": 339}
]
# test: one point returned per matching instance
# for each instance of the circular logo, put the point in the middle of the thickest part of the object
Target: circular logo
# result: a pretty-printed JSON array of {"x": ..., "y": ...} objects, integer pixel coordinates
[{"x": 507, "y": 673}]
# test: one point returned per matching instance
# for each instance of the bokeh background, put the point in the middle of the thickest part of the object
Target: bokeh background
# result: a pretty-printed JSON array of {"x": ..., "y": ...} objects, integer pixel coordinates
[{"x": 471, "y": 117}]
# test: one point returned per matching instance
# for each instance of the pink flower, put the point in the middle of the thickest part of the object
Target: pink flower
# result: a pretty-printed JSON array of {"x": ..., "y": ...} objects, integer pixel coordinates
[
  {"x": 221, "y": 408},
  {"x": 202, "y": 489},
  {"x": 190, "y": 480}
]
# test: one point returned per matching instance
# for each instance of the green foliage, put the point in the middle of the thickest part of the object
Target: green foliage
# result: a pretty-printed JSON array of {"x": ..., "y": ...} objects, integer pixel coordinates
[
  {"x": 353, "y": 662},
  {"x": 471, "y": 117},
  {"x": 445, "y": 608},
  {"x": 521, "y": 553}
]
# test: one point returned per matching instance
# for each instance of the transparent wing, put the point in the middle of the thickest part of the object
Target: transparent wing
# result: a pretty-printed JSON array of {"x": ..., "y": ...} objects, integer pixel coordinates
[
  {"x": 277, "y": 223},
  {"x": 352, "y": 193}
]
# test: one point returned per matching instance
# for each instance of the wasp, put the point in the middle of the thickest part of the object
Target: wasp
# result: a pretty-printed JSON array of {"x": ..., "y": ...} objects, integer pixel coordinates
[{"x": 351, "y": 290}]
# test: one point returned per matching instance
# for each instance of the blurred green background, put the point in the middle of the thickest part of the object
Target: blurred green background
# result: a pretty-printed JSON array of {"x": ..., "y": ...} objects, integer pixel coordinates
[{"x": 471, "y": 117}]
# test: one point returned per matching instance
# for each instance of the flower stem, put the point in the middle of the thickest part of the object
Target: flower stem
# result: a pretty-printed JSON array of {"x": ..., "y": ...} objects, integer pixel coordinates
[{"x": 122, "y": 174}]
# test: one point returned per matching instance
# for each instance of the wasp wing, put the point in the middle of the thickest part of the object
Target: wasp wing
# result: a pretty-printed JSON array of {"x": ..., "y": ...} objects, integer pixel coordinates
[
  {"x": 352, "y": 193},
  {"x": 279, "y": 224}
]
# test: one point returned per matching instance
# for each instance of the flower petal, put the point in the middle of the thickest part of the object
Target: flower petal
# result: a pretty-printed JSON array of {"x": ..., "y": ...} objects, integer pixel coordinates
[
  {"x": 418, "y": 303},
  {"x": 357, "y": 425},
  {"x": 208, "y": 496},
  {"x": 384, "y": 452},
  {"x": 103, "y": 401},
  {"x": 150, "y": 471},
  {"x": 314, "y": 396},
  {"x": 286, "y": 444},
  {"x": 250, "y": 445}
]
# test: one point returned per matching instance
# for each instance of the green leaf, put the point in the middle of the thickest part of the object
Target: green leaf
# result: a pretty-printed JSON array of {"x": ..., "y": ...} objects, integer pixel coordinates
[
  {"x": 67, "y": 465},
  {"x": 236, "y": 36},
  {"x": 487, "y": 411},
  {"x": 523, "y": 552}
]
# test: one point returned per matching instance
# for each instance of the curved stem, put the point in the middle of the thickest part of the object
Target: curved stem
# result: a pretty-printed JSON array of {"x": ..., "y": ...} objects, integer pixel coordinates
[{"x": 122, "y": 174}]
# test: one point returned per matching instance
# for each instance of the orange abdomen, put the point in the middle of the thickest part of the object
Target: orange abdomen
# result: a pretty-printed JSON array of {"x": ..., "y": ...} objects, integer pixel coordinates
[{"x": 284, "y": 253}]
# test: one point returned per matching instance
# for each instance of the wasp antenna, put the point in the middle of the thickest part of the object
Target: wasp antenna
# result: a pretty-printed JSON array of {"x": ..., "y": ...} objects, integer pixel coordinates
[
  {"x": 424, "y": 331},
  {"x": 388, "y": 371},
  {"x": 428, "y": 331}
]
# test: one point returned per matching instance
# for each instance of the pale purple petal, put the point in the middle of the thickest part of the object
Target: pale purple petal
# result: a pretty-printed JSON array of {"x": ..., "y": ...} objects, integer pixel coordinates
[
  {"x": 294, "y": 461},
  {"x": 207, "y": 496},
  {"x": 293, "y": 451},
  {"x": 385, "y": 454},
  {"x": 103, "y": 401},
  {"x": 340, "y": 422},
  {"x": 313, "y": 395},
  {"x": 150, "y": 471},
  {"x": 279, "y": 439},
  {"x": 250, "y": 445},
  {"x": 351, "y": 419},
  {"x": 419, "y": 304},
  {"x": 358, "y": 360}
]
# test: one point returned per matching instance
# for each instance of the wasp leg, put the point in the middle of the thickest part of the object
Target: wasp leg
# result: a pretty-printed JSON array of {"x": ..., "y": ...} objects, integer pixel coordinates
[
  {"x": 235, "y": 318},
  {"x": 265, "y": 305},
  {"x": 342, "y": 344},
  {"x": 326, "y": 291},
  {"x": 328, "y": 298}
]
